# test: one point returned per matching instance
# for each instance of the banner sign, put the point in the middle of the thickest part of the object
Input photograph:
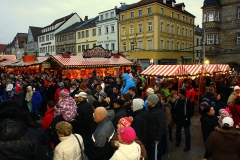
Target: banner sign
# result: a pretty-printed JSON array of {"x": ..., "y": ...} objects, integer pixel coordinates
[{"x": 97, "y": 52}]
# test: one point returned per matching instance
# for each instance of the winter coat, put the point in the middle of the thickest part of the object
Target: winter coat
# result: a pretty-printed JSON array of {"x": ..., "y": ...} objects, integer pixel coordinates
[
  {"x": 19, "y": 142},
  {"x": 139, "y": 124},
  {"x": 119, "y": 113},
  {"x": 43, "y": 93},
  {"x": 190, "y": 93},
  {"x": 223, "y": 144},
  {"x": 183, "y": 118},
  {"x": 84, "y": 120},
  {"x": 219, "y": 105},
  {"x": 127, "y": 151},
  {"x": 167, "y": 109},
  {"x": 235, "y": 111},
  {"x": 50, "y": 92},
  {"x": 68, "y": 148},
  {"x": 208, "y": 124},
  {"x": 47, "y": 119},
  {"x": 20, "y": 97},
  {"x": 231, "y": 98},
  {"x": 9, "y": 87},
  {"x": 101, "y": 140},
  {"x": 36, "y": 99},
  {"x": 128, "y": 83},
  {"x": 156, "y": 123},
  {"x": 29, "y": 95},
  {"x": 223, "y": 88},
  {"x": 127, "y": 107},
  {"x": 56, "y": 95},
  {"x": 2, "y": 89}
]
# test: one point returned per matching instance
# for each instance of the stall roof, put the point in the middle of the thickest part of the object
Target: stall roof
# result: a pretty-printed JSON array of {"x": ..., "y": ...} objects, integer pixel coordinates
[
  {"x": 8, "y": 62},
  {"x": 165, "y": 70},
  {"x": 194, "y": 69},
  {"x": 79, "y": 61},
  {"x": 26, "y": 64},
  {"x": 8, "y": 57}
]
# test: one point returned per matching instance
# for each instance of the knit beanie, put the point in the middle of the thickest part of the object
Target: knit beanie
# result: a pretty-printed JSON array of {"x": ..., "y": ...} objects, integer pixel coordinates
[
  {"x": 150, "y": 91},
  {"x": 137, "y": 104},
  {"x": 183, "y": 92},
  {"x": 153, "y": 98},
  {"x": 64, "y": 93},
  {"x": 127, "y": 134},
  {"x": 103, "y": 94},
  {"x": 125, "y": 121}
]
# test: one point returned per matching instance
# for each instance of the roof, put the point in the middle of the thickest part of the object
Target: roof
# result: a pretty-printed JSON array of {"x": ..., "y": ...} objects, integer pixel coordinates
[
  {"x": 180, "y": 4},
  {"x": 8, "y": 62},
  {"x": 211, "y": 2},
  {"x": 35, "y": 32},
  {"x": 8, "y": 57},
  {"x": 2, "y": 47},
  {"x": 26, "y": 64},
  {"x": 80, "y": 62},
  {"x": 71, "y": 28},
  {"x": 89, "y": 23},
  {"x": 198, "y": 30},
  {"x": 146, "y": 2}
]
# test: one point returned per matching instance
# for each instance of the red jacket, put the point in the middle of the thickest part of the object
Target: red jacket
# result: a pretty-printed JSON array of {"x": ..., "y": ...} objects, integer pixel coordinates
[
  {"x": 47, "y": 119},
  {"x": 190, "y": 94},
  {"x": 235, "y": 111}
]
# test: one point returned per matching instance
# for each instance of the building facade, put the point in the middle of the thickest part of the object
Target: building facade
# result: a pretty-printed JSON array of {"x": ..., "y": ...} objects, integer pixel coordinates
[
  {"x": 157, "y": 30},
  {"x": 221, "y": 26},
  {"x": 46, "y": 40},
  {"x": 198, "y": 35},
  {"x": 86, "y": 35},
  {"x": 32, "y": 40}
]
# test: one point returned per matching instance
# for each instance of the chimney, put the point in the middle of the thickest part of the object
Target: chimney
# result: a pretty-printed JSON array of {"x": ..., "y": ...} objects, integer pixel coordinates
[
  {"x": 115, "y": 7},
  {"x": 86, "y": 18}
]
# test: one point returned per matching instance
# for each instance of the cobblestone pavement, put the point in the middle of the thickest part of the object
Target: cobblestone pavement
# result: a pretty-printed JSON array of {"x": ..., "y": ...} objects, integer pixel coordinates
[{"x": 197, "y": 147}]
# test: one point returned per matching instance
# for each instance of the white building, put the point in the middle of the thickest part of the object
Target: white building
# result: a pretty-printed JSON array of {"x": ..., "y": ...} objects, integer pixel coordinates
[
  {"x": 46, "y": 40},
  {"x": 198, "y": 44},
  {"x": 32, "y": 40},
  {"x": 107, "y": 29}
]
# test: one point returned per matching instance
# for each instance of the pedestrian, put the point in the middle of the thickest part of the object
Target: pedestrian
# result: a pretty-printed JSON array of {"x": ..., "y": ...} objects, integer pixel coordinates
[
  {"x": 119, "y": 110},
  {"x": 128, "y": 82},
  {"x": 36, "y": 102},
  {"x": 233, "y": 96},
  {"x": 172, "y": 99},
  {"x": 235, "y": 110},
  {"x": 47, "y": 119}
]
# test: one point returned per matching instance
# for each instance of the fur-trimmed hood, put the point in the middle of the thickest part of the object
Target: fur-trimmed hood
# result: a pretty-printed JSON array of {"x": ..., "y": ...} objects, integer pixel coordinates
[{"x": 230, "y": 132}]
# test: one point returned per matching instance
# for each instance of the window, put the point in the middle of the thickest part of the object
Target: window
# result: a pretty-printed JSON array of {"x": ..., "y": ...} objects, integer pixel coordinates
[
  {"x": 239, "y": 13},
  {"x": 172, "y": 45},
  {"x": 124, "y": 30},
  {"x": 140, "y": 45},
  {"x": 94, "y": 45},
  {"x": 197, "y": 42},
  {"x": 106, "y": 30},
  {"x": 82, "y": 34},
  {"x": 210, "y": 16},
  {"x": 186, "y": 19},
  {"x": 99, "y": 31},
  {"x": 178, "y": 30},
  {"x": 87, "y": 33},
  {"x": 79, "y": 35},
  {"x": 186, "y": 47},
  {"x": 183, "y": 46},
  {"x": 131, "y": 29},
  {"x": 140, "y": 12},
  {"x": 216, "y": 38},
  {"x": 149, "y": 44},
  {"x": 191, "y": 21},
  {"x": 190, "y": 47},
  {"x": 123, "y": 17},
  {"x": 53, "y": 49},
  {"x": 183, "y": 18},
  {"x": 94, "y": 32},
  {"x": 204, "y": 17},
  {"x": 186, "y": 32},
  {"x": 149, "y": 10},
  {"x": 124, "y": 46},
  {"x": 132, "y": 14},
  {"x": 168, "y": 45},
  {"x": 168, "y": 28},
  {"x": 183, "y": 31},
  {"x": 112, "y": 28},
  {"x": 83, "y": 48},
  {"x": 172, "y": 29},
  {"x": 112, "y": 14},
  {"x": 79, "y": 48},
  {"x": 107, "y": 46},
  {"x": 162, "y": 11},
  {"x": 217, "y": 16},
  {"x": 87, "y": 46},
  {"x": 112, "y": 46},
  {"x": 106, "y": 16},
  {"x": 149, "y": 26},
  {"x": 162, "y": 27},
  {"x": 210, "y": 39},
  {"x": 178, "y": 47},
  {"x": 101, "y": 17},
  {"x": 177, "y": 16},
  {"x": 162, "y": 44},
  {"x": 140, "y": 28},
  {"x": 238, "y": 38},
  {"x": 172, "y": 14},
  {"x": 132, "y": 45},
  {"x": 190, "y": 33}
]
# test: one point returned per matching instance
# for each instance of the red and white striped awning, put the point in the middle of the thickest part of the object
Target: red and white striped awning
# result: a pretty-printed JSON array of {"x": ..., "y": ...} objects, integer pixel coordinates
[
  {"x": 194, "y": 69},
  {"x": 210, "y": 68},
  {"x": 79, "y": 61},
  {"x": 165, "y": 70},
  {"x": 223, "y": 67}
]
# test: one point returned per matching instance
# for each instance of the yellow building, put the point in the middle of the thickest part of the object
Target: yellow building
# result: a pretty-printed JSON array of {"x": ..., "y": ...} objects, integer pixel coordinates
[
  {"x": 86, "y": 36},
  {"x": 157, "y": 30}
]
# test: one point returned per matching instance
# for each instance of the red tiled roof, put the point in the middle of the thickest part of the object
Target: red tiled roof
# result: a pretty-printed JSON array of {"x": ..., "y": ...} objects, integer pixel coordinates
[
  {"x": 2, "y": 47},
  {"x": 80, "y": 62}
]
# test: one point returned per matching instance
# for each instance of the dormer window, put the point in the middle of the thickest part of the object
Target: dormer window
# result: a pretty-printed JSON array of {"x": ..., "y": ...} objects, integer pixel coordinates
[
  {"x": 173, "y": 4},
  {"x": 183, "y": 8},
  {"x": 112, "y": 14},
  {"x": 101, "y": 17},
  {"x": 164, "y": 1}
]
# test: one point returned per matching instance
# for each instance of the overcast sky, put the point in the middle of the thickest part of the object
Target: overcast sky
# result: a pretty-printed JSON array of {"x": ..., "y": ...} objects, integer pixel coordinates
[{"x": 17, "y": 15}]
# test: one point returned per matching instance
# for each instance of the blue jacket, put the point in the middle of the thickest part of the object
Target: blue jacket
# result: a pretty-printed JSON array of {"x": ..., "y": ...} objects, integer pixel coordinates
[
  {"x": 36, "y": 99},
  {"x": 128, "y": 83}
]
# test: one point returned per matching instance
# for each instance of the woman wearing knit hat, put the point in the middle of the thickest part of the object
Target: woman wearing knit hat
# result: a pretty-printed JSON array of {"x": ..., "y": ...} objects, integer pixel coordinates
[
  {"x": 128, "y": 148},
  {"x": 148, "y": 92}
]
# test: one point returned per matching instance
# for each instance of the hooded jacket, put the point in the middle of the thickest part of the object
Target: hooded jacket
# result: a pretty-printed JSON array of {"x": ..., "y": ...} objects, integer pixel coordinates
[
  {"x": 127, "y": 151},
  {"x": 223, "y": 144},
  {"x": 128, "y": 83},
  {"x": 29, "y": 94},
  {"x": 36, "y": 99}
]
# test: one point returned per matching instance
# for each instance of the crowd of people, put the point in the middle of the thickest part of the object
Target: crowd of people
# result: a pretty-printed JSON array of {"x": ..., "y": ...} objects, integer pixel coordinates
[{"x": 112, "y": 117}]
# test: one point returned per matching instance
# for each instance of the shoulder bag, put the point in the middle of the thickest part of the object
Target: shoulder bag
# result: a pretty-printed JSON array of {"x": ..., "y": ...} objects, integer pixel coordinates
[{"x": 83, "y": 155}]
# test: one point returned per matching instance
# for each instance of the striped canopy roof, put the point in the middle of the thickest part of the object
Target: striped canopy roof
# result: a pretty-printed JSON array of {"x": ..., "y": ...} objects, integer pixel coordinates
[{"x": 26, "y": 64}]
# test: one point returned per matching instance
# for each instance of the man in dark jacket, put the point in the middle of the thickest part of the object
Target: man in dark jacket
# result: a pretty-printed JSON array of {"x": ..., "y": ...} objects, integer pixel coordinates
[
  {"x": 133, "y": 93},
  {"x": 120, "y": 112},
  {"x": 50, "y": 89},
  {"x": 43, "y": 93},
  {"x": 183, "y": 113},
  {"x": 102, "y": 135},
  {"x": 156, "y": 123},
  {"x": 84, "y": 120},
  {"x": 139, "y": 123},
  {"x": 114, "y": 95}
]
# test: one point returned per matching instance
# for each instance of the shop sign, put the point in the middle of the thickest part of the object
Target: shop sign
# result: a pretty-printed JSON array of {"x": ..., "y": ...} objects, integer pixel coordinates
[
  {"x": 46, "y": 65},
  {"x": 97, "y": 52}
]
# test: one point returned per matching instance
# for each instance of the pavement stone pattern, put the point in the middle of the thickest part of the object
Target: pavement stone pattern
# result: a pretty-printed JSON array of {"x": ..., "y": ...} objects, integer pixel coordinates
[{"x": 197, "y": 146}]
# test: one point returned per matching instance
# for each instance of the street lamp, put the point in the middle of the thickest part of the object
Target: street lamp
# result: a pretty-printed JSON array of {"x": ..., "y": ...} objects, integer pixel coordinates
[
  {"x": 206, "y": 61},
  {"x": 151, "y": 61}
]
